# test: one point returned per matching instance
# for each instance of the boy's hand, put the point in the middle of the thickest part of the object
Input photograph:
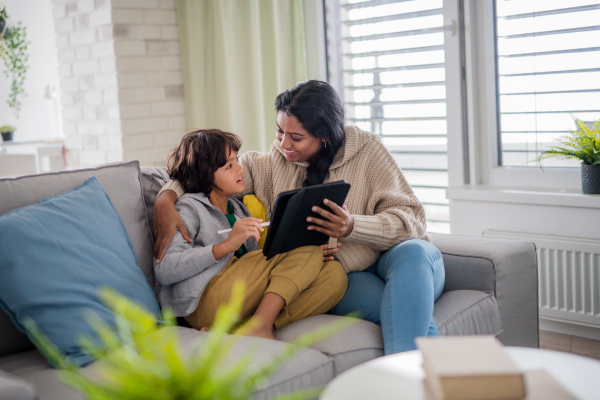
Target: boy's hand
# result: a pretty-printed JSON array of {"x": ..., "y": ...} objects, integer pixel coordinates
[
  {"x": 242, "y": 230},
  {"x": 327, "y": 252}
]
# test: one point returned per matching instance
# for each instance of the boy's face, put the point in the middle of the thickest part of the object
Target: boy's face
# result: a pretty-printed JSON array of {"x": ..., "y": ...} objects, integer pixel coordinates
[{"x": 229, "y": 179}]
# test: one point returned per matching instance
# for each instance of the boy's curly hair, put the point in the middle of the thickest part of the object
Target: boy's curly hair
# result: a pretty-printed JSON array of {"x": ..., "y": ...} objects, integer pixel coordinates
[{"x": 193, "y": 163}]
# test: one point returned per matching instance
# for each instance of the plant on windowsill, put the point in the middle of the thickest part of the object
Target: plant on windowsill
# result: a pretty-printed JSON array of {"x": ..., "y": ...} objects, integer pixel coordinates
[
  {"x": 13, "y": 49},
  {"x": 140, "y": 360},
  {"x": 7, "y": 132},
  {"x": 582, "y": 144}
]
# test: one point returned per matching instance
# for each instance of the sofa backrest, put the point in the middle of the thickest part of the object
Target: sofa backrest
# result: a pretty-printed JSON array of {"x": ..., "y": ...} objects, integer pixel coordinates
[
  {"x": 122, "y": 183},
  {"x": 153, "y": 179}
]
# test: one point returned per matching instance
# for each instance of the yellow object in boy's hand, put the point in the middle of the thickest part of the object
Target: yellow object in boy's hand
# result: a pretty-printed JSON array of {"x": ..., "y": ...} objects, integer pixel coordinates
[{"x": 257, "y": 210}]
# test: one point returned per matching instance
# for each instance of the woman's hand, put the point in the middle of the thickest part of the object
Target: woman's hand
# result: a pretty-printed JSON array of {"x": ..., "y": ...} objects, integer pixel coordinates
[
  {"x": 327, "y": 252},
  {"x": 338, "y": 224},
  {"x": 166, "y": 222}
]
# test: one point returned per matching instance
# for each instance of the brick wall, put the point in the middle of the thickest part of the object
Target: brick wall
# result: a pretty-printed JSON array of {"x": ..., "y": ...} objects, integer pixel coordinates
[{"x": 121, "y": 82}]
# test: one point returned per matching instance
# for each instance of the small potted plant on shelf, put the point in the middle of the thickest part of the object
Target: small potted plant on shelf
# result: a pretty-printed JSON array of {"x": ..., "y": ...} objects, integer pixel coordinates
[
  {"x": 582, "y": 144},
  {"x": 7, "y": 132}
]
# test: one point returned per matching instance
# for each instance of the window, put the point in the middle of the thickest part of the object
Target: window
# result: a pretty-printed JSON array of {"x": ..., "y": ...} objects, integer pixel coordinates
[
  {"x": 548, "y": 71},
  {"x": 388, "y": 61}
]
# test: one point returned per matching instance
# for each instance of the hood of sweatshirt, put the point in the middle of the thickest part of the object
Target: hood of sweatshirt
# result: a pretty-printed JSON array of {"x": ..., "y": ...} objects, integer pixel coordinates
[
  {"x": 238, "y": 206},
  {"x": 356, "y": 139}
]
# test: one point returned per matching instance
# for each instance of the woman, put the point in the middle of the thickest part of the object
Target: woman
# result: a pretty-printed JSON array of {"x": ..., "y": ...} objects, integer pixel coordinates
[{"x": 394, "y": 273}]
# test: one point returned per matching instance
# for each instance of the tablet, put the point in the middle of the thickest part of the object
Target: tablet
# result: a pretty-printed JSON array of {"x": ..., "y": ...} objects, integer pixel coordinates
[{"x": 288, "y": 228}]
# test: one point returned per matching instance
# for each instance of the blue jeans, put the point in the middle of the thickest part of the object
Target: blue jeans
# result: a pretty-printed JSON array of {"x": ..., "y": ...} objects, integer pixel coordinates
[{"x": 398, "y": 292}]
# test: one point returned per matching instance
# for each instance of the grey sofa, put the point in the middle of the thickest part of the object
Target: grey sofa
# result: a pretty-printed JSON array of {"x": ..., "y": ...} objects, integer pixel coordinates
[{"x": 491, "y": 288}]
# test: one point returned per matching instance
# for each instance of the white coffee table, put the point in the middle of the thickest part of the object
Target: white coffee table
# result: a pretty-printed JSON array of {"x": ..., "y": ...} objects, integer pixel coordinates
[{"x": 400, "y": 376}]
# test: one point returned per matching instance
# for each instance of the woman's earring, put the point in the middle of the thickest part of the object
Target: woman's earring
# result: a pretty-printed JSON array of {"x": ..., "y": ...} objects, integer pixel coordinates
[{"x": 325, "y": 144}]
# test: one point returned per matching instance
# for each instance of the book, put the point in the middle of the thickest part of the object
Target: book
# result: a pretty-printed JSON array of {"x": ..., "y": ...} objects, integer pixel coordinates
[
  {"x": 289, "y": 229},
  {"x": 470, "y": 368}
]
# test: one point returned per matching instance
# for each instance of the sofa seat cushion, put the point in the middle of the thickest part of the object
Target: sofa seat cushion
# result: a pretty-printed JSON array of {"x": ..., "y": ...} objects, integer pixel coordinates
[
  {"x": 360, "y": 342},
  {"x": 308, "y": 368},
  {"x": 13, "y": 388},
  {"x": 33, "y": 368},
  {"x": 56, "y": 254},
  {"x": 467, "y": 312}
]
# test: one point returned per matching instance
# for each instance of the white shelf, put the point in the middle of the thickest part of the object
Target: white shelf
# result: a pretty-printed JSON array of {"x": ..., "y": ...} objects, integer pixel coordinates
[
  {"x": 522, "y": 195},
  {"x": 31, "y": 157}
]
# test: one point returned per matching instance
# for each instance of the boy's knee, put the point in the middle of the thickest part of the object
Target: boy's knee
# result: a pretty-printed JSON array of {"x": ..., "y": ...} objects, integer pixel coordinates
[
  {"x": 314, "y": 254},
  {"x": 337, "y": 277}
]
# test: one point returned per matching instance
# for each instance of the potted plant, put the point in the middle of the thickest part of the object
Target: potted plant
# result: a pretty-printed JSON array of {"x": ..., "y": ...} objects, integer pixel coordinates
[
  {"x": 2, "y": 21},
  {"x": 13, "y": 50},
  {"x": 582, "y": 144},
  {"x": 7, "y": 132}
]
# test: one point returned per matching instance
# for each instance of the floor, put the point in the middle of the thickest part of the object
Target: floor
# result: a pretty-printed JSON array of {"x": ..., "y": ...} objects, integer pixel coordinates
[{"x": 570, "y": 344}]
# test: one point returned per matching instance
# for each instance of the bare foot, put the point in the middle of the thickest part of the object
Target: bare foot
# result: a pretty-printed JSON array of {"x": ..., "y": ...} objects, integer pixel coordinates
[
  {"x": 262, "y": 332},
  {"x": 254, "y": 327}
]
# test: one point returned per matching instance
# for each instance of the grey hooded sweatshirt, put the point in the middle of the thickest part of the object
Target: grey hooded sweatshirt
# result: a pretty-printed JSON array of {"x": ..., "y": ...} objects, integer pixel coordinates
[{"x": 186, "y": 268}]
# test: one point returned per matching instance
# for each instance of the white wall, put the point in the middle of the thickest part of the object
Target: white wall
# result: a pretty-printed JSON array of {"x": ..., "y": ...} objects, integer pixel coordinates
[{"x": 38, "y": 117}]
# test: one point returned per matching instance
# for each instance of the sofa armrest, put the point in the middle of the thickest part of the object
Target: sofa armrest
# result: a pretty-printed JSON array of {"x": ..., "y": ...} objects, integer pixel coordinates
[
  {"x": 13, "y": 388},
  {"x": 506, "y": 267}
]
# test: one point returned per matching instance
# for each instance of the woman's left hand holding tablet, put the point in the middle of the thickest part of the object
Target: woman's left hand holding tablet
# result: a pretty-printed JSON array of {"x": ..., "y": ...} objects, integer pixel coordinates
[
  {"x": 328, "y": 253},
  {"x": 336, "y": 224}
]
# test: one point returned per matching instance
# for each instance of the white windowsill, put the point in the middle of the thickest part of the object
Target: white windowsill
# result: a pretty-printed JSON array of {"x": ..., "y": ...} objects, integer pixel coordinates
[{"x": 523, "y": 195}]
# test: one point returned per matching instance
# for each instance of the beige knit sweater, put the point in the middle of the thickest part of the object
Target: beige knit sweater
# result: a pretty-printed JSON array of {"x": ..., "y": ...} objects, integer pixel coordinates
[{"x": 385, "y": 209}]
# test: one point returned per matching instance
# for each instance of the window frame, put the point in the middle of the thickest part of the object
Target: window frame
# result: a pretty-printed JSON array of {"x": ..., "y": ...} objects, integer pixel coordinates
[
  {"x": 473, "y": 129},
  {"x": 483, "y": 111},
  {"x": 456, "y": 135}
]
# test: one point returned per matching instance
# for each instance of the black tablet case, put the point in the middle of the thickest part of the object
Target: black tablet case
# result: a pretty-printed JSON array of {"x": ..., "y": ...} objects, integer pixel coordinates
[{"x": 288, "y": 228}]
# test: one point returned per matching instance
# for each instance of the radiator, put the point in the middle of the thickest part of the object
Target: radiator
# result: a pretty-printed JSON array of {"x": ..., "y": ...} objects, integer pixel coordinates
[{"x": 568, "y": 276}]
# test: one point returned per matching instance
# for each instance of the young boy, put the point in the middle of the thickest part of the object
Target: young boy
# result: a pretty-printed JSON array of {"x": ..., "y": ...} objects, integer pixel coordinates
[{"x": 196, "y": 278}]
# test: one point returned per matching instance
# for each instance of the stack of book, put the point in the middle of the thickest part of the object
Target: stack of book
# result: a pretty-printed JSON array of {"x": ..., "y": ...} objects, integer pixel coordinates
[{"x": 477, "y": 368}]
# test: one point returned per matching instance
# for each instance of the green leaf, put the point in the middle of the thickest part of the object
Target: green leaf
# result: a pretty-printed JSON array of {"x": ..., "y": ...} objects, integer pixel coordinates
[
  {"x": 14, "y": 52},
  {"x": 582, "y": 144}
]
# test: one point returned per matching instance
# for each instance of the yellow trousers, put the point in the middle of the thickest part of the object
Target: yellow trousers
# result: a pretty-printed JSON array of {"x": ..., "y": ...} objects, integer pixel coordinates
[{"x": 308, "y": 285}]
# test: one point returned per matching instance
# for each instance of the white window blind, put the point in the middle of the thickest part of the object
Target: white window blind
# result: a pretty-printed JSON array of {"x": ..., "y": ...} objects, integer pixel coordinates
[
  {"x": 548, "y": 63},
  {"x": 391, "y": 62}
]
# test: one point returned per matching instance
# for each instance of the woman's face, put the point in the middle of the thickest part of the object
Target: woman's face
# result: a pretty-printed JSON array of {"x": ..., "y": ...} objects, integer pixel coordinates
[{"x": 298, "y": 145}]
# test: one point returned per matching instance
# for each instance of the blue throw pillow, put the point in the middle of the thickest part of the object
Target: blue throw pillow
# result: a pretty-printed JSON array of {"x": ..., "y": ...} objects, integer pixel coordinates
[{"x": 56, "y": 254}]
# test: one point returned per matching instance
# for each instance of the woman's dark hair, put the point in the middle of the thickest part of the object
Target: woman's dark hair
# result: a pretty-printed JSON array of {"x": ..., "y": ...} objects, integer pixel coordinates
[
  {"x": 317, "y": 106},
  {"x": 193, "y": 163}
]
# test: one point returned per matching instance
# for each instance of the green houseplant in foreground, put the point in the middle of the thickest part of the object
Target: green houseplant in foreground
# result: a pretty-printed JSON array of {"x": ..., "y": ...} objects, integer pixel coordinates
[
  {"x": 582, "y": 144},
  {"x": 141, "y": 361}
]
